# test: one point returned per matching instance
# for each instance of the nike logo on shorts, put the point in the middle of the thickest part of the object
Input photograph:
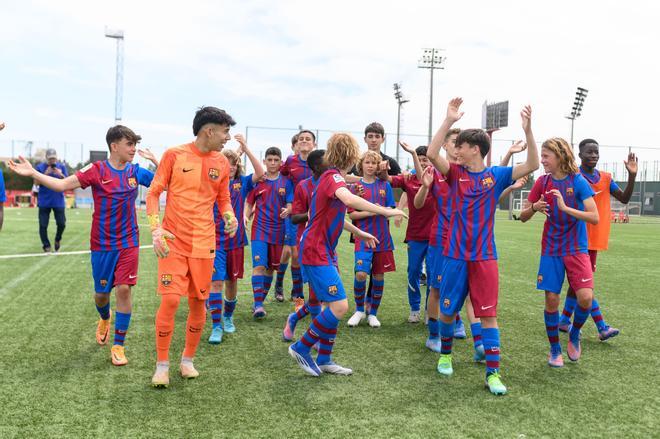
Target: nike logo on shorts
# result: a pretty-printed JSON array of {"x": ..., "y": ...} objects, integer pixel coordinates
[
  {"x": 236, "y": 274},
  {"x": 484, "y": 308},
  {"x": 132, "y": 276},
  {"x": 106, "y": 181},
  {"x": 585, "y": 280},
  {"x": 386, "y": 265}
]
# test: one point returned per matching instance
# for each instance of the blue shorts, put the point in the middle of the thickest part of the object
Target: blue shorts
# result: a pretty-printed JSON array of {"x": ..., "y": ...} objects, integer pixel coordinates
[
  {"x": 478, "y": 278},
  {"x": 577, "y": 268},
  {"x": 220, "y": 265},
  {"x": 436, "y": 262},
  {"x": 363, "y": 261},
  {"x": 266, "y": 255},
  {"x": 290, "y": 232},
  {"x": 114, "y": 267},
  {"x": 325, "y": 281}
]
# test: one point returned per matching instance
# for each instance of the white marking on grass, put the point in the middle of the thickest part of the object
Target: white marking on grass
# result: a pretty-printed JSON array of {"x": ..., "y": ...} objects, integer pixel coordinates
[{"x": 35, "y": 255}]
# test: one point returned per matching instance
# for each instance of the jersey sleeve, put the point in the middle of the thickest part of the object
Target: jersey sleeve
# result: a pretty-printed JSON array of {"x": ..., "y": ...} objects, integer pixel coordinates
[
  {"x": 453, "y": 173},
  {"x": 331, "y": 184},
  {"x": 160, "y": 181},
  {"x": 144, "y": 176},
  {"x": 397, "y": 181},
  {"x": 3, "y": 196},
  {"x": 503, "y": 176},
  {"x": 289, "y": 191},
  {"x": 537, "y": 190},
  {"x": 614, "y": 187},
  {"x": 285, "y": 169},
  {"x": 247, "y": 184},
  {"x": 88, "y": 176},
  {"x": 583, "y": 189},
  {"x": 299, "y": 204},
  {"x": 389, "y": 194}
]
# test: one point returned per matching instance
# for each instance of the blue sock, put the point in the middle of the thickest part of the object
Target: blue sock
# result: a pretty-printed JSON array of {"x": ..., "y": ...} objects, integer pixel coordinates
[
  {"x": 104, "y": 311},
  {"x": 230, "y": 306},
  {"x": 376, "y": 295},
  {"x": 215, "y": 306},
  {"x": 597, "y": 316},
  {"x": 268, "y": 281},
  {"x": 491, "y": 338},
  {"x": 296, "y": 279},
  {"x": 446, "y": 336},
  {"x": 434, "y": 328},
  {"x": 476, "y": 334},
  {"x": 569, "y": 308},
  {"x": 552, "y": 329},
  {"x": 122, "y": 320},
  {"x": 581, "y": 315},
  {"x": 359, "y": 287},
  {"x": 281, "y": 271},
  {"x": 323, "y": 326}
]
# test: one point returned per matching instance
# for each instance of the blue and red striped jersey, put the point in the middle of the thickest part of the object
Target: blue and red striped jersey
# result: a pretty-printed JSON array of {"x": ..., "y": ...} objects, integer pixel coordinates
[
  {"x": 270, "y": 197},
  {"x": 420, "y": 220},
  {"x": 442, "y": 202},
  {"x": 239, "y": 188},
  {"x": 326, "y": 221},
  {"x": 563, "y": 234},
  {"x": 474, "y": 197},
  {"x": 114, "y": 222},
  {"x": 296, "y": 169},
  {"x": 302, "y": 199},
  {"x": 379, "y": 192}
]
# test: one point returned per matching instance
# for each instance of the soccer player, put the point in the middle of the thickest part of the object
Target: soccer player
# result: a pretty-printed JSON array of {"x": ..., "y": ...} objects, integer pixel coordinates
[
  {"x": 566, "y": 198},
  {"x": 229, "y": 256},
  {"x": 302, "y": 200},
  {"x": 3, "y": 196},
  {"x": 51, "y": 200},
  {"x": 598, "y": 235},
  {"x": 114, "y": 238},
  {"x": 272, "y": 204},
  {"x": 319, "y": 240},
  {"x": 378, "y": 260},
  {"x": 470, "y": 256},
  {"x": 296, "y": 169},
  {"x": 196, "y": 176}
]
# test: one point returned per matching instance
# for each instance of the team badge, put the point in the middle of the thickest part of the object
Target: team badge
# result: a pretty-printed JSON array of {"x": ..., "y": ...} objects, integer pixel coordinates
[
  {"x": 446, "y": 303},
  {"x": 236, "y": 186},
  {"x": 359, "y": 261},
  {"x": 439, "y": 278},
  {"x": 569, "y": 191},
  {"x": 539, "y": 278},
  {"x": 166, "y": 279},
  {"x": 257, "y": 258},
  {"x": 214, "y": 173},
  {"x": 281, "y": 191},
  {"x": 381, "y": 192},
  {"x": 332, "y": 290},
  {"x": 487, "y": 182},
  {"x": 103, "y": 282},
  {"x": 132, "y": 182}
]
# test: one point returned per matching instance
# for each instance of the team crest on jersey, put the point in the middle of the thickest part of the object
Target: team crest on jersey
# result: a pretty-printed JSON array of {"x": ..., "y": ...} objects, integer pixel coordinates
[
  {"x": 104, "y": 282},
  {"x": 487, "y": 182},
  {"x": 236, "y": 186},
  {"x": 332, "y": 290},
  {"x": 132, "y": 182},
  {"x": 166, "y": 279},
  {"x": 381, "y": 192},
  {"x": 569, "y": 191},
  {"x": 446, "y": 303},
  {"x": 214, "y": 174},
  {"x": 281, "y": 191},
  {"x": 539, "y": 278}
]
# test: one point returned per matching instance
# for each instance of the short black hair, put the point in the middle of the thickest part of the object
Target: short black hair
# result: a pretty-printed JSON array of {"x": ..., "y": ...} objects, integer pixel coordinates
[
  {"x": 309, "y": 132},
  {"x": 585, "y": 142},
  {"x": 294, "y": 140},
  {"x": 374, "y": 127},
  {"x": 315, "y": 159},
  {"x": 475, "y": 137},
  {"x": 273, "y": 150},
  {"x": 421, "y": 150},
  {"x": 118, "y": 132},
  {"x": 211, "y": 115}
]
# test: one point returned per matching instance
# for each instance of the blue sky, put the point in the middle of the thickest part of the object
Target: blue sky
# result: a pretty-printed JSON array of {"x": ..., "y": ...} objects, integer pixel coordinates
[{"x": 326, "y": 65}]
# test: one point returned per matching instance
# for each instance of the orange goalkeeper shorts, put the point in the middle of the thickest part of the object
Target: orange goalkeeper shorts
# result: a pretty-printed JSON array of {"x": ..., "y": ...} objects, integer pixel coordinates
[{"x": 178, "y": 274}]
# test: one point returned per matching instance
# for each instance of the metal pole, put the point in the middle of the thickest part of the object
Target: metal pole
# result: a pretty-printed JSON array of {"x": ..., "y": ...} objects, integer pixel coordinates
[
  {"x": 431, "y": 103},
  {"x": 119, "y": 79},
  {"x": 572, "y": 124},
  {"x": 398, "y": 128},
  {"x": 12, "y": 149}
]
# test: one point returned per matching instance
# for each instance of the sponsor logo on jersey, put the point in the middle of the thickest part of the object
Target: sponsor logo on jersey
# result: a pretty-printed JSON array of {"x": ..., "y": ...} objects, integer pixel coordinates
[
  {"x": 332, "y": 290},
  {"x": 166, "y": 279},
  {"x": 132, "y": 182},
  {"x": 487, "y": 182},
  {"x": 214, "y": 173}
]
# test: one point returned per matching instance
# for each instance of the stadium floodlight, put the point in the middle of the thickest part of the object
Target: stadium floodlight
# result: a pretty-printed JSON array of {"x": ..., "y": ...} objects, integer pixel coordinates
[
  {"x": 576, "y": 111},
  {"x": 119, "y": 77},
  {"x": 432, "y": 59},
  {"x": 400, "y": 101}
]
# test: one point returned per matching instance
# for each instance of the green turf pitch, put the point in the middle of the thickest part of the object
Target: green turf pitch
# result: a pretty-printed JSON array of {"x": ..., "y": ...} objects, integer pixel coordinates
[{"x": 56, "y": 382}]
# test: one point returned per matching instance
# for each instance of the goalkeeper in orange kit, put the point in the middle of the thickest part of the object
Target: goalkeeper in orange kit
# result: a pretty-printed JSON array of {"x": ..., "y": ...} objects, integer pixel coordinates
[{"x": 196, "y": 176}]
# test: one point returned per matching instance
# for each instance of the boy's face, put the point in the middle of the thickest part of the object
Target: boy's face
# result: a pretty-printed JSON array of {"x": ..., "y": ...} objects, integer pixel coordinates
[
  {"x": 450, "y": 146},
  {"x": 424, "y": 161},
  {"x": 589, "y": 155},
  {"x": 218, "y": 135},
  {"x": 273, "y": 164},
  {"x": 124, "y": 149},
  {"x": 232, "y": 169},
  {"x": 374, "y": 141},
  {"x": 305, "y": 143},
  {"x": 466, "y": 153},
  {"x": 369, "y": 167},
  {"x": 549, "y": 160}
]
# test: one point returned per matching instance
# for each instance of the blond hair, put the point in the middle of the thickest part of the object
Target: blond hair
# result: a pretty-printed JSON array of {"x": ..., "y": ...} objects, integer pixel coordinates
[
  {"x": 233, "y": 159},
  {"x": 564, "y": 153},
  {"x": 369, "y": 155},
  {"x": 343, "y": 151}
]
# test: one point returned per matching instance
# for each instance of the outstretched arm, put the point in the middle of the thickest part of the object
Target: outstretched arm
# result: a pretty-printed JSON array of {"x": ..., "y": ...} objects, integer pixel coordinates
[
  {"x": 358, "y": 203},
  {"x": 368, "y": 238},
  {"x": 518, "y": 184},
  {"x": 24, "y": 168},
  {"x": 532, "y": 162},
  {"x": 433, "y": 151},
  {"x": 517, "y": 147},
  {"x": 631, "y": 166}
]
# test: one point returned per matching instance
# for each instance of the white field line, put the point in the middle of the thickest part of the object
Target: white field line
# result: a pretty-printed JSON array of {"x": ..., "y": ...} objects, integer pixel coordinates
[{"x": 35, "y": 255}]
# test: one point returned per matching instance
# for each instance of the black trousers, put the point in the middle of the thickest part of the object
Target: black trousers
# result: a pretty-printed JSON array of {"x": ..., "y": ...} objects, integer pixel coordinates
[{"x": 44, "y": 218}]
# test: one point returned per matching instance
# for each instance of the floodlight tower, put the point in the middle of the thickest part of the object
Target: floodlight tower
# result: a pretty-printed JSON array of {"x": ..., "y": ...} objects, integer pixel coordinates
[
  {"x": 119, "y": 77},
  {"x": 432, "y": 59},
  {"x": 400, "y": 101},
  {"x": 576, "y": 111}
]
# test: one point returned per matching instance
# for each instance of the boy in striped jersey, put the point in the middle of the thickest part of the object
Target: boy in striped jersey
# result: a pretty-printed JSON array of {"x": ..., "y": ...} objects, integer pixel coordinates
[
  {"x": 114, "y": 234},
  {"x": 470, "y": 263},
  {"x": 229, "y": 255},
  {"x": 272, "y": 204},
  {"x": 378, "y": 260},
  {"x": 564, "y": 196}
]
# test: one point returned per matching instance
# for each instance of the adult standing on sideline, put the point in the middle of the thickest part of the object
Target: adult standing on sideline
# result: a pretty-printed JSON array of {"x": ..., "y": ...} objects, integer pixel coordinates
[{"x": 51, "y": 200}]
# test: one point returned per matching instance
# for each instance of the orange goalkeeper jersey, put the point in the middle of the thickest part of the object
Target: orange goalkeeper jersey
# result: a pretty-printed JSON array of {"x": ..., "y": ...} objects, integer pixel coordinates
[{"x": 194, "y": 182}]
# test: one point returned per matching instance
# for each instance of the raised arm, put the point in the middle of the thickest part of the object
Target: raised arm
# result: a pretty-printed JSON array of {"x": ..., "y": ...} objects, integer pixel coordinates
[
  {"x": 517, "y": 147},
  {"x": 433, "y": 151},
  {"x": 256, "y": 164},
  {"x": 532, "y": 162},
  {"x": 418, "y": 166},
  {"x": 427, "y": 181},
  {"x": 631, "y": 166},
  {"x": 358, "y": 203},
  {"x": 147, "y": 154},
  {"x": 24, "y": 168}
]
